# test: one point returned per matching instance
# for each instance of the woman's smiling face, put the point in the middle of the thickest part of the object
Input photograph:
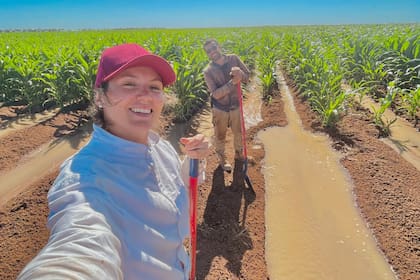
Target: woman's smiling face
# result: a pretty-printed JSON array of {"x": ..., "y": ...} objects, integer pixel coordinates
[{"x": 133, "y": 103}]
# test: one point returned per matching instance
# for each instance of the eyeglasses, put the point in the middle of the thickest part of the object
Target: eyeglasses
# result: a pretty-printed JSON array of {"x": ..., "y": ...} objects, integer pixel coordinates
[{"x": 211, "y": 48}]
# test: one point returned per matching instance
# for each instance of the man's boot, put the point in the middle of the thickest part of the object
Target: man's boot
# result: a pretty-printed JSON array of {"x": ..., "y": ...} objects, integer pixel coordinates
[{"x": 226, "y": 166}]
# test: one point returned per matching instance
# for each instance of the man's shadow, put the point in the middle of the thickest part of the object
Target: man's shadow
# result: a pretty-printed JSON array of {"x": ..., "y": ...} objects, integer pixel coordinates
[{"x": 222, "y": 233}]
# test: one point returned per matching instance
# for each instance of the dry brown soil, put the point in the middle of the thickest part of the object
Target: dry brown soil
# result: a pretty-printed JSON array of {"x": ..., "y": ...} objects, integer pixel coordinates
[{"x": 231, "y": 230}]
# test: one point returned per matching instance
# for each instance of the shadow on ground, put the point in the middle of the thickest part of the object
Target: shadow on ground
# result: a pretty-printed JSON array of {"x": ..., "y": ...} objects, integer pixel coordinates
[{"x": 222, "y": 233}]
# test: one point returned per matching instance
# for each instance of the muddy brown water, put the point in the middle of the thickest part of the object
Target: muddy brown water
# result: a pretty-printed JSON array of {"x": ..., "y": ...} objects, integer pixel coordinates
[
  {"x": 314, "y": 229},
  {"x": 38, "y": 163},
  {"x": 404, "y": 138},
  {"x": 25, "y": 121}
]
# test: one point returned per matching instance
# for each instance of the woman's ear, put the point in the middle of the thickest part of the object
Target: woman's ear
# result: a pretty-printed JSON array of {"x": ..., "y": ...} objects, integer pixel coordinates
[{"x": 98, "y": 99}]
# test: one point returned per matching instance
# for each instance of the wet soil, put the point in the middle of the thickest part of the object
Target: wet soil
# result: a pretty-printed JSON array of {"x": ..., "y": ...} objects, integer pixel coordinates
[{"x": 231, "y": 230}]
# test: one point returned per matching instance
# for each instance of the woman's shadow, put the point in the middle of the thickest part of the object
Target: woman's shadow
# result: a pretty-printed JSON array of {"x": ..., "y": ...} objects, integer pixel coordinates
[{"x": 222, "y": 233}]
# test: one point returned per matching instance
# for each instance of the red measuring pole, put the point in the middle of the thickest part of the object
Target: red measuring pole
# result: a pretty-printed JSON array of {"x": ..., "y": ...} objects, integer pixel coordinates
[{"x": 193, "y": 181}]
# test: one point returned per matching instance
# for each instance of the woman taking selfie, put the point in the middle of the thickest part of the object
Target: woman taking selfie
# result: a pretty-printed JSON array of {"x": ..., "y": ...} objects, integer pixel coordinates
[{"x": 119, "y": 208}]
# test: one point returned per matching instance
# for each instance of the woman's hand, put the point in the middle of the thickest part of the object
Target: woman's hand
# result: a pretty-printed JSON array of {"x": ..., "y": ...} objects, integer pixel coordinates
[{"x": 197, "y": 146}]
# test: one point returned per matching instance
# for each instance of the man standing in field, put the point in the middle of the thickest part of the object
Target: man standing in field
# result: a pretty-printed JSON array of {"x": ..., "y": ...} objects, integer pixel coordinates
[{"x": 223, "y": 74}]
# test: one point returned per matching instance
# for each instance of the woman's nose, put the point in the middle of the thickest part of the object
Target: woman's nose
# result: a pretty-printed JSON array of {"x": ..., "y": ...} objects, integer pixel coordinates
[{"x": 143, "y": 91}]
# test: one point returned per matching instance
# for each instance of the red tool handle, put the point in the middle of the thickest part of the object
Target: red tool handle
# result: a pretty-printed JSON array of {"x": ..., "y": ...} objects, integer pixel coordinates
[
  {"x": 193, "y": 181},
  {"x": 243, "y": 134}
]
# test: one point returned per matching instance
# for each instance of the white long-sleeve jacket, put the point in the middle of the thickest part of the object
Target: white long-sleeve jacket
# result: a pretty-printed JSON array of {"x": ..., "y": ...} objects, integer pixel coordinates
[{"x": 118, "y": 210}]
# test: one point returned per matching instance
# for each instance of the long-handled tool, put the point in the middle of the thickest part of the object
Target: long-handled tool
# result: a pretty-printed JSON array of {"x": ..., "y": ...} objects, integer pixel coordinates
[
  {"x": 243, "y": 134},
  {"x": 193, "y": 181}
]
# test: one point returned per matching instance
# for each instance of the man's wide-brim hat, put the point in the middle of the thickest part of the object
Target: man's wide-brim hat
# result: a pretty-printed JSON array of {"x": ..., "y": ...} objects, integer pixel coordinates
[{"x": 116, "y": 59}]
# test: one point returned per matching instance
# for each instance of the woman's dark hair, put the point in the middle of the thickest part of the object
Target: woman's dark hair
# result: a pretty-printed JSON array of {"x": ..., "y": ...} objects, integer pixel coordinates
[{"x": 96, "y": 112}]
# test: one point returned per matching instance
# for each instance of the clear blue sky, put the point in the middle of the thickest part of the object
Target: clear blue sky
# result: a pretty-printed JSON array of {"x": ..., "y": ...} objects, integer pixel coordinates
[{"x": 104, "y": 14}]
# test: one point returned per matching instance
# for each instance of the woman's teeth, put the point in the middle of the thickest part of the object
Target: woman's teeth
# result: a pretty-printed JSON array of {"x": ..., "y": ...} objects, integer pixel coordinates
[{"x": 138, "y": 110}]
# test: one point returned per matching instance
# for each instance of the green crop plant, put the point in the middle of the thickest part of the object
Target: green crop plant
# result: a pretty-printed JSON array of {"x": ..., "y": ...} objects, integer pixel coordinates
[
  {"x": 267, "y": 75},
  {"x": 23, "y": 81},
  {"x": 411, "y": 102},
  {"x": 382, "y": 123},
  {"x": 190, "y": 87}
]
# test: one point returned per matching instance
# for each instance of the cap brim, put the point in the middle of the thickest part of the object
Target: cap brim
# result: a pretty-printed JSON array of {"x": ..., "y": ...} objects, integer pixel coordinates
[{"x": 160, "y": 65}]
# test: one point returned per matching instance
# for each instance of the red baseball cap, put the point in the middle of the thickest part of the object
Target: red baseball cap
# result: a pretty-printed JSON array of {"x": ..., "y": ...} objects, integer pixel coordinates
[{"x": 118, "y": 58}]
